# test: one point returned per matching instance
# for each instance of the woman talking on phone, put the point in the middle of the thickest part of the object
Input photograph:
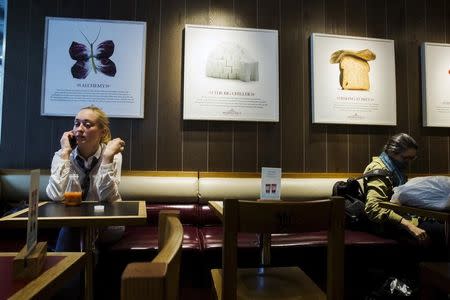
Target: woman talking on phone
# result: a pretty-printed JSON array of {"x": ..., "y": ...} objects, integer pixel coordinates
[{"x": 88, "y": 151}]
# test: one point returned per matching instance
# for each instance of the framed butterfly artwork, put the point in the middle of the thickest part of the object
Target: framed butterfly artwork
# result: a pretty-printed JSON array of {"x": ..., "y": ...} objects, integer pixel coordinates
[{"x": 93, "y": 62}]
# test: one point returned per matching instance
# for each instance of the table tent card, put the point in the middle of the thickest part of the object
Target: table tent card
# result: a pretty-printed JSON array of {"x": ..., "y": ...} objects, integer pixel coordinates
[
  {"x": 270, "y": 184},
  {"x": 29, "y": 262},
  {"x": 33, "y": 203}
]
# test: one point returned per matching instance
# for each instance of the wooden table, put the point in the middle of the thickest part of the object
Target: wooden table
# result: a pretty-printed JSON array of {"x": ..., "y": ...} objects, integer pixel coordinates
[
  {"x": 56, "y": 214},
  {"x": 58, "y": 269},
  {"x": 264, "y": 238}
]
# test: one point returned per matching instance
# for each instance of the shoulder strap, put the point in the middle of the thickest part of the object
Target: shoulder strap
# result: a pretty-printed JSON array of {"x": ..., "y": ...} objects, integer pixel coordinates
[{"x": 375, "y": 172}]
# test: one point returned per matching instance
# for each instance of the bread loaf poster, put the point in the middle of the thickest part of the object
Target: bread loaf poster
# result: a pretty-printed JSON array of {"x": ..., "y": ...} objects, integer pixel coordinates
[
  {"x": 230, "y": 74},
  {"x": 93, "y": 62},
  {"x": 436, "y": 84},
  {"x": 353, "y": 80}
]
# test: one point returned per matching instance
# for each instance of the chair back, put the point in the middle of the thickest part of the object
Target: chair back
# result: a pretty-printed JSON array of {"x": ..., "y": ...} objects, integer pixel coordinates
[
  {"x": 284, "y": 217},
  {"x": 158, "y": 279}
]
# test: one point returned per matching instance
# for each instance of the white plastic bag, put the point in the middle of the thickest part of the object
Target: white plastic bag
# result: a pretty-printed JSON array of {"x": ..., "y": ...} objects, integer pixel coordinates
[{"x": 429, "y": 192}]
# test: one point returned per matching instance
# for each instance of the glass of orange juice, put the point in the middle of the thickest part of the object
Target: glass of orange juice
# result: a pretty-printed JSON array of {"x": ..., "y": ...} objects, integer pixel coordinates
[{"x": 72, "y": 195}]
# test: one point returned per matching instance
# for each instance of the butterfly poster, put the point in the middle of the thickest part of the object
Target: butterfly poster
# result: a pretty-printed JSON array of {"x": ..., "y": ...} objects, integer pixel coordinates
[{"x": 93, "y": 62}]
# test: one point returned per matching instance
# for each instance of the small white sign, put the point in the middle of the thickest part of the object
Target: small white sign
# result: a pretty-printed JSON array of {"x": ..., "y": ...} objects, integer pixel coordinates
[
  {"x": 33, "y": 201},
  {"x": 270, "y": 184}
]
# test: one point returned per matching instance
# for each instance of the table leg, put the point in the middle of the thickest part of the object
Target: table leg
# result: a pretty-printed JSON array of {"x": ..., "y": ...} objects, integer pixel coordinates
[
  {"x": 264, "y": 246},
  {"x": 88, "y": 247}
]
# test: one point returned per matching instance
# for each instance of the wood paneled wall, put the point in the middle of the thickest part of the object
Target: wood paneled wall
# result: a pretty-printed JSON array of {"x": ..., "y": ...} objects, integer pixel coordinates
[{"x": 163, "y": 141}]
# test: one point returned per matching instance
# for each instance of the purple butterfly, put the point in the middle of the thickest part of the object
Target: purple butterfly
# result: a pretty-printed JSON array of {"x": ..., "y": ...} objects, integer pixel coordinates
[{"x": 88, "y": 59}]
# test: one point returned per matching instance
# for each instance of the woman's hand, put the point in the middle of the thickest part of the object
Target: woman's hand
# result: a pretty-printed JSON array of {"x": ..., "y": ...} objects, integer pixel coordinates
[
  {"x": 420, "y": 234},
  {"x": 65, "y": 144},
  {"x": 113, "y": 147}
]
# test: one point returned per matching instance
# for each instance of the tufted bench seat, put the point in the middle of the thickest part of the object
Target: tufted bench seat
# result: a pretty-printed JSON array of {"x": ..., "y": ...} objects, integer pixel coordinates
[{"x": 189, "y": 192}]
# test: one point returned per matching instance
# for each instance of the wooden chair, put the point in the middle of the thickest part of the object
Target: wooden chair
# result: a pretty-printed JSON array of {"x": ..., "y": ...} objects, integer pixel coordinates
[
  {"x": 280, "y": 217},
  {"x": 158, "y": 279}
]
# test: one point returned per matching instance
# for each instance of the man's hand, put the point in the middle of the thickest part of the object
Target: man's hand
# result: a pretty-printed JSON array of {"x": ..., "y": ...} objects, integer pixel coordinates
[{"x": 420, "y": 234}]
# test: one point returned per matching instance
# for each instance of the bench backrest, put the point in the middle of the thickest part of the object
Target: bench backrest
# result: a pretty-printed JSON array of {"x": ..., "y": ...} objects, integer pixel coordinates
[
  {"x": 294, "y": 186},
  {"x": 152, "y": 186}
]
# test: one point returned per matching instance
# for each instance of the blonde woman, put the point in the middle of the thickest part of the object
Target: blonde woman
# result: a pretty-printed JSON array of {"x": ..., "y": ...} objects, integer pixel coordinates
[{"x": 97, "y": 160}]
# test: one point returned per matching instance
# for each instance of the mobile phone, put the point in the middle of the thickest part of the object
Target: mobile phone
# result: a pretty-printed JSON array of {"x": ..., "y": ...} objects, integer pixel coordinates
[{"x": 73, "y": 142}]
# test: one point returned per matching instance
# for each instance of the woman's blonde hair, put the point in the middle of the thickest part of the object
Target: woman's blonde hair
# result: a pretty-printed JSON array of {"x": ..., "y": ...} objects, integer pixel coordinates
[{"x": 102, "y": 122}]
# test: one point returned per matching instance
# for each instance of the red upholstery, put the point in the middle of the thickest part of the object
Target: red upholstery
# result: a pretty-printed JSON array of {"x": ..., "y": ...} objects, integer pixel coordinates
[
  {"x": 188, "y": 212},
  {"x": 146, "y": 238},
  {"x": 365, "y": 238},
  {"x": 211, "y": 237},
  {"x": 203, "y": 231},
  {"x": 207, "y": 217},
  {"x": 319, "y": 238}
]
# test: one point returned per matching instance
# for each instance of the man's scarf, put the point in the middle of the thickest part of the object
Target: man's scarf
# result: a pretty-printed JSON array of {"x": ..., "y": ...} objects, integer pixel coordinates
[{"x": 399, "y": 177}]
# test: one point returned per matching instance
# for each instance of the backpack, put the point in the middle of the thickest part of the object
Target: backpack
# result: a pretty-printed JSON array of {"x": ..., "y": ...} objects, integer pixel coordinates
[{"x": 355, "y": 198}]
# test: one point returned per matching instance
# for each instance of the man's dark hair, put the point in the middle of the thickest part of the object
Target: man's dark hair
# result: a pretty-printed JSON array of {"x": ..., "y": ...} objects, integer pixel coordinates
[{"x": 399, "y": 143}]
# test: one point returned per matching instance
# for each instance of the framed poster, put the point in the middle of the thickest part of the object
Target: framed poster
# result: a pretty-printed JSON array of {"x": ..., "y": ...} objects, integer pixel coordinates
[
  {"x": 230, "y": 74},
  {"x": 353, "y": 80},
  {"x": 436, "y": 84},
  {"x": 99, "y": 62},
  {"x": 3, "y": 13}
]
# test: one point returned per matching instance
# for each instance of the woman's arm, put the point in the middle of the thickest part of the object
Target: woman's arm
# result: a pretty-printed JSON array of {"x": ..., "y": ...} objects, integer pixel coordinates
[
  {"x": 60, "y": 169},
  {"x": 59, "y": 176},
  {"x": 109, "y": 172}
]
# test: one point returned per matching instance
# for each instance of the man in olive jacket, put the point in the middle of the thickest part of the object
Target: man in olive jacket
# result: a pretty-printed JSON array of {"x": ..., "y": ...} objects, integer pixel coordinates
[{"x": 398, "y": 152}]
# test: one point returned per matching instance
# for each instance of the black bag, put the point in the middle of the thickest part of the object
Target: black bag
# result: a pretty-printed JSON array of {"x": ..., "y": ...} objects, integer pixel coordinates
[{"x": 355, "y": 198}]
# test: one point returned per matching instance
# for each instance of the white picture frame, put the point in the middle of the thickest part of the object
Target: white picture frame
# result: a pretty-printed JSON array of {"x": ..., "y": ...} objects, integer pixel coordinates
[
  {"x": 435, "y": 84},
  {"x": 3, "y": 22},
  {"x": 230, "y": 74},
  {"x": 353, "y": 80},
  {"x": 93, "y": 62}
]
